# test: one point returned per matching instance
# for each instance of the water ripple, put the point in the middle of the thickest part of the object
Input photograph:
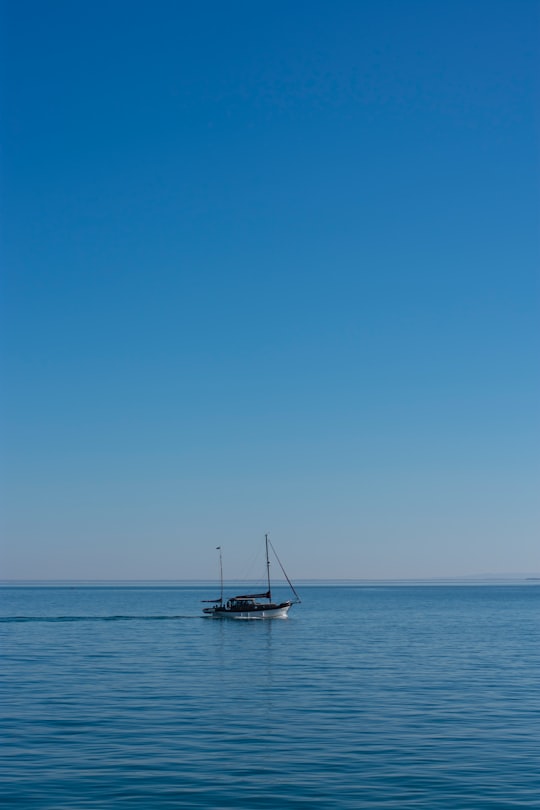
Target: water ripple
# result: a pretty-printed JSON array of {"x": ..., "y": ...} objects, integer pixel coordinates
[{"x": 424, "y": 698}]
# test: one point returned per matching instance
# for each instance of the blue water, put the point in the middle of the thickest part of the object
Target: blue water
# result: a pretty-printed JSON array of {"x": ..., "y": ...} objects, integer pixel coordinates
[{"x": 366, "y": 697}]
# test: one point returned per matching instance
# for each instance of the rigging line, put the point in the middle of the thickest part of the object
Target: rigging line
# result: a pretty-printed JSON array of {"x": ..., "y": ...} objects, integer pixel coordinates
[
  {"x": 251, "y": 569},
  {"x": 284, "y": 572}
]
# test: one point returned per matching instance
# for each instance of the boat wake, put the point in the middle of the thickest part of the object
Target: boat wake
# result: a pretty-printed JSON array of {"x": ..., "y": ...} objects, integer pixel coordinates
[{"x": 12, "y": 619}]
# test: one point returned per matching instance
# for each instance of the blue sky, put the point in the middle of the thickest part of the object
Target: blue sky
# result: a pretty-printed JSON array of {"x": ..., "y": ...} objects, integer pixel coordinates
[{"x": 270, "y": 267}]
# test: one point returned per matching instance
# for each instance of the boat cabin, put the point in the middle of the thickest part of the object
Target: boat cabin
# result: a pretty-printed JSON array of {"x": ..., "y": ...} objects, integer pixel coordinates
[{"x": 241, "y": 602}]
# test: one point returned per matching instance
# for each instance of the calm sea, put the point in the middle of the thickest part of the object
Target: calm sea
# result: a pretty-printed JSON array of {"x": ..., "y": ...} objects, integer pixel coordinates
[{"x": 424, "y": 696}]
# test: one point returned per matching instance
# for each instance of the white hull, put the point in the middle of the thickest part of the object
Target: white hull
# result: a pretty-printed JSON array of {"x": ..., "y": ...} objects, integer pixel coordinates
[{"x": 273, "y": 613}]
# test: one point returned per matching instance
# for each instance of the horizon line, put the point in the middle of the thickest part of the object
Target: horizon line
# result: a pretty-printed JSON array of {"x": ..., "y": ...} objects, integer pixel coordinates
[{"x": 438, "y": 578}]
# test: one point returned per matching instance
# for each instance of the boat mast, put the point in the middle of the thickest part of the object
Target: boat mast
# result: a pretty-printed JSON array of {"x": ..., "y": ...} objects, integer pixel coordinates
[
  {"x": 218, "y": 548},
  {"x": 268, "y": 568}
]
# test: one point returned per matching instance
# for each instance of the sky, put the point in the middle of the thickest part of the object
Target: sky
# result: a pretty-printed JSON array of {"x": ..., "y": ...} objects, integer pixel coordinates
[{"x": 270, "y": 267}]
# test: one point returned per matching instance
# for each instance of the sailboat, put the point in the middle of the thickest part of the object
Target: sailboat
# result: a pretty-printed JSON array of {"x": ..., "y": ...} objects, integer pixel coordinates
[{"x": 249, "y": 606}]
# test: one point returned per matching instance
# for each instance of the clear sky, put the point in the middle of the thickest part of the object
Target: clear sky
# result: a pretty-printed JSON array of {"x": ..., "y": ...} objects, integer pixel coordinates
[{"x": 270, "y": 267}]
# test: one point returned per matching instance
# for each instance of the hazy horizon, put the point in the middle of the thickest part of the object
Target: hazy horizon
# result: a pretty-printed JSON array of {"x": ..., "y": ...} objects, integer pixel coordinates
[{"x": 508, "y": 576}]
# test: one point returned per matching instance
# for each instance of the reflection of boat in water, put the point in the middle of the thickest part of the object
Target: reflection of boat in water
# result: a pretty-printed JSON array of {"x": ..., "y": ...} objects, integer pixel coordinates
[{"x": 248, "y": 605}]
